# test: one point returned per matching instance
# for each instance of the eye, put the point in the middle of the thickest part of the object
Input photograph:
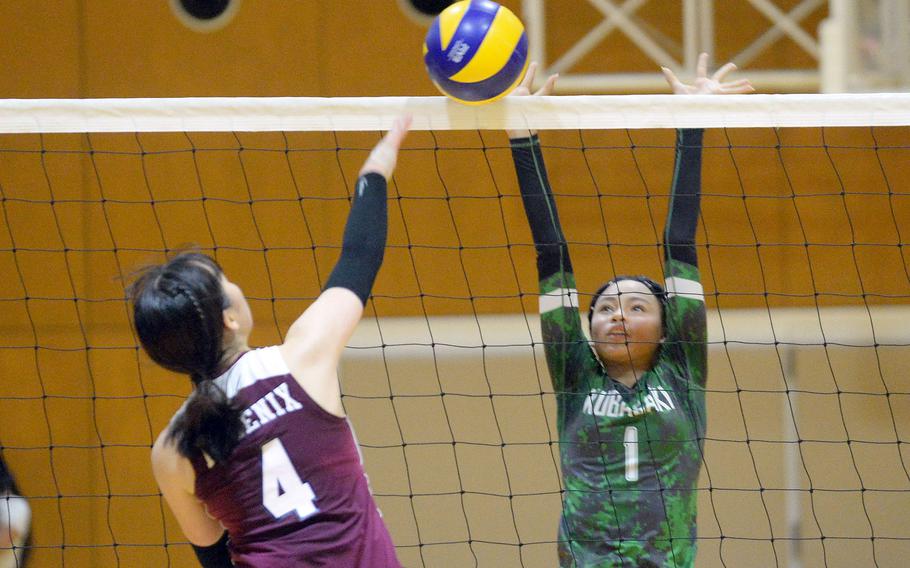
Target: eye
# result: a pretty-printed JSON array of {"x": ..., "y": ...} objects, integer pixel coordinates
[{"x": 638, "y": 308}]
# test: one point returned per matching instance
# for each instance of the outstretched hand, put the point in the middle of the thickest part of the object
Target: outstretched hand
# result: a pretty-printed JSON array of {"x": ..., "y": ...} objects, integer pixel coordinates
[
  {"x": 384, "y": 156},
  {"x": 524, "y": 89},
  {"x": 704, "y": 85}
]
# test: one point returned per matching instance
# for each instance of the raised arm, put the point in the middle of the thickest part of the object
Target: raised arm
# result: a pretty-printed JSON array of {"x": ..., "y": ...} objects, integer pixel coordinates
[
  {"x": 685, "y": 199},
  {"x": 563, "y": 338},
  {"x": 682, "y": 218},
  {"x": 315, "y": 341},
  {"x": 686, "y": 323}
]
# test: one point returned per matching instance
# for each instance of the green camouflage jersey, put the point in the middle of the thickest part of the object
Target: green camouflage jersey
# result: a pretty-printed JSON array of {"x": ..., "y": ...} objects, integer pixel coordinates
[{"x": 630, "y": 456}]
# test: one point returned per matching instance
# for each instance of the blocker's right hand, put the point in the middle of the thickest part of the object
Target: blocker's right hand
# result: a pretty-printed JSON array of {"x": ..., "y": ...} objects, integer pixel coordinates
[
  {"x": 524, "y": 89},
  {"x": 384, "y": 156}
]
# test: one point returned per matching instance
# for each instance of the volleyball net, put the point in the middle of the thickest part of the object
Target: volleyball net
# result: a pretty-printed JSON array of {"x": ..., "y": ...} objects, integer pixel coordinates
[{"x": 802, "y": 247}]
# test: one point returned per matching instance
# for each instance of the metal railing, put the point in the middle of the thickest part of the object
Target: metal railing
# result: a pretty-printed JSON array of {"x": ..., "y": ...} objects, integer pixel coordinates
[{"x": 862, "y": 45}]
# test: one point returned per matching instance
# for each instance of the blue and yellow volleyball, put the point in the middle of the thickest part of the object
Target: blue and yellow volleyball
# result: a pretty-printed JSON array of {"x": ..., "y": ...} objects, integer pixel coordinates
[{"x": 476, "y": 51}]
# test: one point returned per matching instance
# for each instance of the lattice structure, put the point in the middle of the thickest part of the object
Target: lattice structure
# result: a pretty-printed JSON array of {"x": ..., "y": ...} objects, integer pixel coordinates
[{"x": 837, "y": 45}]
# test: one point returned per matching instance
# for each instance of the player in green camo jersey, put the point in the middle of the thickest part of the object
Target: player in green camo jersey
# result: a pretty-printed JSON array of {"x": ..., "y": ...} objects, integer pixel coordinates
[{"x": 631, "y": 401}]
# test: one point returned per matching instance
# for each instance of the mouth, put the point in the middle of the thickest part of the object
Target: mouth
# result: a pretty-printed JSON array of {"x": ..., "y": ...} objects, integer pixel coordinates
[{"x": 617, "y": 336}]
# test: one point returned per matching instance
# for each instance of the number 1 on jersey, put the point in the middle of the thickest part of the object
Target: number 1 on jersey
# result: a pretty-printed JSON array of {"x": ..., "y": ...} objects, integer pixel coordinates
[
  {"x": 282, "y": 489},
  {"x": 630, "y": 442}
]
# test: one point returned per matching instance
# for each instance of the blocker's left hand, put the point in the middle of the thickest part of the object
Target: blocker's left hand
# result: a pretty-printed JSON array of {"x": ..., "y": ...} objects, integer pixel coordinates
[
  {"x": 524, "y": 89},
  {"x": 704, "y": 85}
]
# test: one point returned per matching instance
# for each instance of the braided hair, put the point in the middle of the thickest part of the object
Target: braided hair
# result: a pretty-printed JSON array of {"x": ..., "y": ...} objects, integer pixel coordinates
[{"x": 177, "y": 311}]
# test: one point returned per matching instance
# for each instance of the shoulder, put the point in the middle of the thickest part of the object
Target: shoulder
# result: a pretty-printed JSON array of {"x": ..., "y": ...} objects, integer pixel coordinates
[
  {"x": 678, "y": 371},
  {"x": 170, "y": 468},
  {"x": 164, "y": 450}
]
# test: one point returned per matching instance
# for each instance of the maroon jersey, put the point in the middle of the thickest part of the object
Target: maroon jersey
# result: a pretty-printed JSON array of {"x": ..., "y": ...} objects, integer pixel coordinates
[{"x": 293, "y": 492}]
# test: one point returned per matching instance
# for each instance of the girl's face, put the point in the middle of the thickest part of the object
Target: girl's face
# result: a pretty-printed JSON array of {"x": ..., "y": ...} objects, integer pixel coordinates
[{"x": 626, "y": 325}]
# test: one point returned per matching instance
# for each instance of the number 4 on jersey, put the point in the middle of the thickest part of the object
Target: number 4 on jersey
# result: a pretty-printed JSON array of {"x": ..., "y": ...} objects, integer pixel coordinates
[{"x": 282, "y": 489}]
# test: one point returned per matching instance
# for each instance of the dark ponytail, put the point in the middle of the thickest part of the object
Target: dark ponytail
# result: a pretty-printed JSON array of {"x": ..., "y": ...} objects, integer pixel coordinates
[
  {"x": 209, "y": 423},
  {"x": 177, "y": 311},
  {"x": 7, "y": 481}
]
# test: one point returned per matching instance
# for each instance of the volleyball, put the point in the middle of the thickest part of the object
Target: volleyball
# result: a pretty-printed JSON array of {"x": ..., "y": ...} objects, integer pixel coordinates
[{"x": 476, "y": 51}]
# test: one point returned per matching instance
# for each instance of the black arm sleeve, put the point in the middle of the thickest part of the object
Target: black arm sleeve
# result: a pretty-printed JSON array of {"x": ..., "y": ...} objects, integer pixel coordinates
[
  {"x": 540, "y": 207},
  {"x": 215, "y": 555},
  {"x": 364, "y": 238},
  {"x": 685, "y": 197}
]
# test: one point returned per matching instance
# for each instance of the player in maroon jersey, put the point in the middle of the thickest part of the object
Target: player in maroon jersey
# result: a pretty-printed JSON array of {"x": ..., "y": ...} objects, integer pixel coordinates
[{"x": 260, "y": 466}]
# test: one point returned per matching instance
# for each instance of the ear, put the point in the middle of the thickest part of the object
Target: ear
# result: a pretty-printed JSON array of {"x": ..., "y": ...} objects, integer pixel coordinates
[{"x": 230, "y": 322}]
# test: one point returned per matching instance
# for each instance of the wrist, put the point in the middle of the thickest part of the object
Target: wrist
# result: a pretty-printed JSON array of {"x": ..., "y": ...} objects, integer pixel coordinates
[
  {"x": 527, "y": 140},
  {"x": 520, "y": 134},
  {"x": 381, "y": 161}
]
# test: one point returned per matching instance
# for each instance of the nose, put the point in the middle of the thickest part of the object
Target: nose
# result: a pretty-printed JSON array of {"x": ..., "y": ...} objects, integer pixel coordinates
[{"x": 617, "y": 315}]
